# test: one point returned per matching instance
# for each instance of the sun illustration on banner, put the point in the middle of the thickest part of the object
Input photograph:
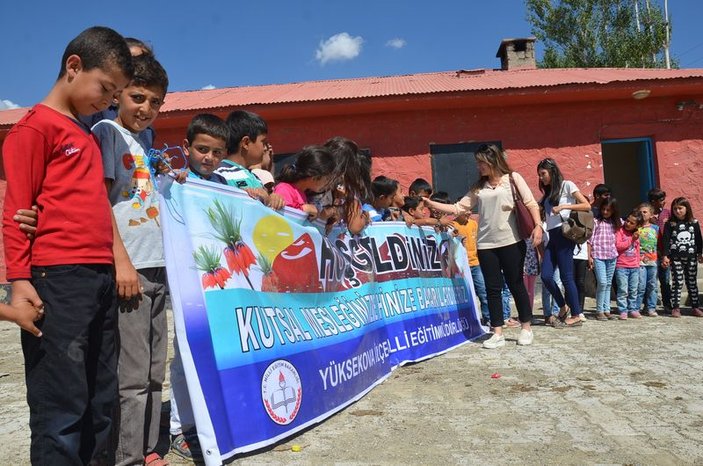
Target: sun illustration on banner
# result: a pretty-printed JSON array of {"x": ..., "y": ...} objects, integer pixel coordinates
[{"x": 271, "y": 235}]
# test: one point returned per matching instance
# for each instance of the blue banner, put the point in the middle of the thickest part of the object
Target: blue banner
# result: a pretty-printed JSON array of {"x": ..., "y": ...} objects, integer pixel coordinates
[{"x": 280, "y": 325}]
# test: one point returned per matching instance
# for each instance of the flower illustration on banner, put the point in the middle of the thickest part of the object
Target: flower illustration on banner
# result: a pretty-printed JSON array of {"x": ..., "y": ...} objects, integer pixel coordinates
[
  {"x": 208, "y": 260},
  {"x": 238, "y": 254},
  {"x": 269, "y": 282}
]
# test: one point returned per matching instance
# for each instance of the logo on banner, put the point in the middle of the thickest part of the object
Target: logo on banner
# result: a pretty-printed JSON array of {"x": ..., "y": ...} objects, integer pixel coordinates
[{"x": 281, "y": 391}]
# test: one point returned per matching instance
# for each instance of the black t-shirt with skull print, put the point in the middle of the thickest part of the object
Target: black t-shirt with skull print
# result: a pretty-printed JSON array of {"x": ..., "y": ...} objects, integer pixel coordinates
[{"x": 682, "y": 238}]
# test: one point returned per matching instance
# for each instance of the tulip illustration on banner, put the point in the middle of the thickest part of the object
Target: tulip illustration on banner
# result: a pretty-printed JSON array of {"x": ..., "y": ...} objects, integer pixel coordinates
[
  {"x": 208, "y": 260},
  {"x": 238, "y": 254}
]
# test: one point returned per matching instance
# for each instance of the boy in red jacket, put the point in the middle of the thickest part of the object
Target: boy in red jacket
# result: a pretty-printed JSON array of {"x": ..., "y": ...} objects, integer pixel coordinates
[{"x": 52, "y": 160}]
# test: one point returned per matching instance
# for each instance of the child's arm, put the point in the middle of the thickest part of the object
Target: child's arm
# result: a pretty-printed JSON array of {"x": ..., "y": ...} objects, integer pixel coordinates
[
  {"x": 356, "y": 219},
  {"x": 126, "y": 276},
  {"x": 25, "y": 309},
  {"x": 590, "y": 257},
  {"x": 622, "y": 241}
]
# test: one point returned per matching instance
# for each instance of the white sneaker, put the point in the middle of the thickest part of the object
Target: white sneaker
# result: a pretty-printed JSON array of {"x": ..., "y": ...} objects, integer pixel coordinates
[
  {"x": 525, "y": 337},
  {"x": 496, "y": 341},
  {"x": 582, "y": 317}
]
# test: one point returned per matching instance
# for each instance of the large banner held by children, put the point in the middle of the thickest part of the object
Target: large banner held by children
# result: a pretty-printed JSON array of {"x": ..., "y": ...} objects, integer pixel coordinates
[{"x": 280, "y": 326}]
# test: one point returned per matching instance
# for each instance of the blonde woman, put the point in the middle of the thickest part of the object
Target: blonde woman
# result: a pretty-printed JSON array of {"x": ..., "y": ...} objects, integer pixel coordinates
[{"x": 501, "y": 251}]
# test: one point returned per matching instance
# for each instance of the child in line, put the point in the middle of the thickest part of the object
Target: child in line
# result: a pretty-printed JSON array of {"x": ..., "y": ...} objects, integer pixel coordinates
[
  {"x": 205, "y": 145},
  {"x": 420, "y": 188},
  {"x": 603, "y": 254},
  {"x": 353, "y": 173},
  {"x": 682, "y": 246},
  {"x": 384, "y": 190},
  {"x": 661, "y": 215},
  {"x": 627, "y": 266},
  {"x": 417, "y": 213},
  {"x": 467, "y": 228},
  {"x": 140, "y": 268},
  {"x": 312, "y": 172},
  {"x": 247, "y": 144},
  {"x": 51, "y": 160},
  {"x": 649, "y": 234}
]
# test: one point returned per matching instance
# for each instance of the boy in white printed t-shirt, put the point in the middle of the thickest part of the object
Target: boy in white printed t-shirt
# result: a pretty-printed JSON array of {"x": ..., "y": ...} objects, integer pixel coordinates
[{"x": 139, "y": 261}]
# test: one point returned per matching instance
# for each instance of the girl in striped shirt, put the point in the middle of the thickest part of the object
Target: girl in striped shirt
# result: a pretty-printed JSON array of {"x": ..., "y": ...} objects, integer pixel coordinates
[{"x": 602, "y": 253}]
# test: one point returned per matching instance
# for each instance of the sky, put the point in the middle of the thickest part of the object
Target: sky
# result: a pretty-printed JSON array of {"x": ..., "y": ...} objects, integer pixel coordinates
[{"x": 205, "y": 44}]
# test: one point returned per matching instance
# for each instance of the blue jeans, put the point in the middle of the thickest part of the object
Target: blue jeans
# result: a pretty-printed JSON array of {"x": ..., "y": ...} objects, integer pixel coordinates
[
  {"x": 549, "y": 304},
  {"x": 560, "y": 253},
  {"x": 505, "y": 294},
  {"x": 628, "y": 282},
  {"x": 647, "y": 291},
  {"x": 480, "y": 287},
  {"x": 604, "y": 269}
]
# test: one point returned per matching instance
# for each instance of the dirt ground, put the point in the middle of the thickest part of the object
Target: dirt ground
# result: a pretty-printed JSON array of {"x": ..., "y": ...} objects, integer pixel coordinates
[{"x": 606, "y": 393}]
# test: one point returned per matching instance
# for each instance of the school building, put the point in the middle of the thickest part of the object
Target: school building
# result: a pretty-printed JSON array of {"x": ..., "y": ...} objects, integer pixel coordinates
[{"x": 630, "y": 128}]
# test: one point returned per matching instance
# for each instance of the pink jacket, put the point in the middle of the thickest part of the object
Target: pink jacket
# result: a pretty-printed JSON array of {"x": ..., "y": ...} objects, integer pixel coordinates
[{"x": 628, "y": 250}]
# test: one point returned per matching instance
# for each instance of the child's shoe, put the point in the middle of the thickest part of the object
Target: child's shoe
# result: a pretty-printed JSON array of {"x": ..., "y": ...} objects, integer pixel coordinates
[
  {"x": 623, "y": 316},
  {"x": 676, "y": 312},
  {"x": 652, "y": 313},
  {"x": 611, "y": 316},
  {"x": 582, "y": 317},
  {"x": 696, "y": 312},
  {"x": 635, "y": 314},
  {"x": 601, "y": 316}
]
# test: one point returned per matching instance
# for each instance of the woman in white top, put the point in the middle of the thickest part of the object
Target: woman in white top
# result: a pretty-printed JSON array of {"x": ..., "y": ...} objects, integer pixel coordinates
[
  {"x": 559, "y": 198},
  {"x": 501, "y": 251}
]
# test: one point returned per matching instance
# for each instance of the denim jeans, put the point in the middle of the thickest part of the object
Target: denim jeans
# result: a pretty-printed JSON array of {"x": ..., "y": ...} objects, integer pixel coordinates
[
  {"x": 549, "y": 304},
  {"x": 628, "y": 282},
  {"x": 647, "y": 292},
  {"x": 604, "y": 269},
  {"x": 560, "y": 253},
  {"x": 480, "y": 287},
  {"x": 505, "y": 294},
  {"x": 71, "y": 370}
]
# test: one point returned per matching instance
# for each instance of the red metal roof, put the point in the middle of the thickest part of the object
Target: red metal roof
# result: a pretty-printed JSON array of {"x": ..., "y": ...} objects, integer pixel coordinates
[{"x": 413, "y": 84}]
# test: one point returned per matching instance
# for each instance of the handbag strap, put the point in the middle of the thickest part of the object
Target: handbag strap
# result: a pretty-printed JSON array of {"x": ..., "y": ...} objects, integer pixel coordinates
[{"x": 513, "y": 187}]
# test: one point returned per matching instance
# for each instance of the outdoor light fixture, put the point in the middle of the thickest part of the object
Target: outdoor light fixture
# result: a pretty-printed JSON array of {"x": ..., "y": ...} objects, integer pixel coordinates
[
  {"x": 688, "y": 103},
  {"x": 641, "y": 94}
]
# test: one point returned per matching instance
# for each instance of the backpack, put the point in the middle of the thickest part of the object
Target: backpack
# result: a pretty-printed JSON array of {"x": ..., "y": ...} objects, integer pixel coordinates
[{"x": 578, "y": 227}]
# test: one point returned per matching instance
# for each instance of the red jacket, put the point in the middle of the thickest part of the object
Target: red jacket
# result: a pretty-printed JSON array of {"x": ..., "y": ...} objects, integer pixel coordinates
[{"x": 52, "y": 161}]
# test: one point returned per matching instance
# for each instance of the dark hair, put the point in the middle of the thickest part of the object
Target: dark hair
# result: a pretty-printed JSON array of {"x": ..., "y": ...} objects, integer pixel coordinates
[
  {"x": 656, "y": 194},
  {"x": 420, "y": 184},
  {"x": 553, "y": 191},
  {"x": 410, "y": 202},
  {"x": 638, "y": 216},
  {"x": 441, "y": 197},
  {"x": 148, "y": 72},
  {"x": 99, "y": 47},
  {"x": 612, "y": 204},
  {"x": 207, "y": 123},
  {"x": 493, "y": 156},
  {"x": 312, "y": 161},
  {"x": 353, "y": 170},
  {"x": 146, "y": 48},
  {"x": 242, "y": 123},
  {"x": 601, "y": 189},
  {"x": 683, "y": 202},
  {"x": 383, "y": 186}
]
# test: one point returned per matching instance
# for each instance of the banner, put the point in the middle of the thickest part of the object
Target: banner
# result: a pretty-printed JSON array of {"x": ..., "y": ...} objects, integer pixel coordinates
[{"x": 280, "y": 326}]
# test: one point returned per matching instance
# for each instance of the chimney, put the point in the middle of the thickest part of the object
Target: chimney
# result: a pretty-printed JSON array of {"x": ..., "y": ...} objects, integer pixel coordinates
[{"x": 517, "y": 54}]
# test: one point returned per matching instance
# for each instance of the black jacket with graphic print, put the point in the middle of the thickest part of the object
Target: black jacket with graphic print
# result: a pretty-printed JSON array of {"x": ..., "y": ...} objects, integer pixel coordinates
[{"x": 682, "y": 239}]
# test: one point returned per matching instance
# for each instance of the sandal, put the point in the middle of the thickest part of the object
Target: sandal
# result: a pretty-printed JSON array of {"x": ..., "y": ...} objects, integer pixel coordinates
[
  {"x": 512, "y": 323},
  {"x": 552, "y": 321},
  {"x": 564, "y": 313},
  {"x": 576, "y": 323},
  {"x": 154, "y": 459}
]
